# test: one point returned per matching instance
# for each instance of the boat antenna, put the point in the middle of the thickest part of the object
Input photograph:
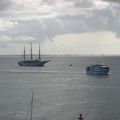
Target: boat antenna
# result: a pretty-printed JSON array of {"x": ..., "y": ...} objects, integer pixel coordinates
[
  {"x": 39, "y": 53},
  {"x": 31, "y": 52},
  {"x": 24, "y": 54},
  {"x": 31, "y": 111}
]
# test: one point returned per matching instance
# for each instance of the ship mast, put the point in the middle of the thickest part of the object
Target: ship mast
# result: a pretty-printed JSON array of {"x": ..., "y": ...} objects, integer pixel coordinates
[
  {"x": 31, "y": 52},
  {"x": 24, "y": 54},
  {"x": 39, "y": 53}
]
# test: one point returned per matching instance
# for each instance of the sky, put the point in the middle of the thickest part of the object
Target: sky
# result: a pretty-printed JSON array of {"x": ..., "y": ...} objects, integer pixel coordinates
[{"x": 73, "y": 27}]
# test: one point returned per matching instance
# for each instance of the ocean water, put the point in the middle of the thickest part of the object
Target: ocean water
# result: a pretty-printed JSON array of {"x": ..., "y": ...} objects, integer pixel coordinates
[{"x": 61, "y": 92}]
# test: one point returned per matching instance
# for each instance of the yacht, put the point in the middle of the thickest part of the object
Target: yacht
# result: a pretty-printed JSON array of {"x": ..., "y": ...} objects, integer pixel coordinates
[{"x": 97, "y": 69}]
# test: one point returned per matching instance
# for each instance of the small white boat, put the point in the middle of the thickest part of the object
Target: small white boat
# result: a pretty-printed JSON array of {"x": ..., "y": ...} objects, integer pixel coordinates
[{"x": 97, "y": 69}]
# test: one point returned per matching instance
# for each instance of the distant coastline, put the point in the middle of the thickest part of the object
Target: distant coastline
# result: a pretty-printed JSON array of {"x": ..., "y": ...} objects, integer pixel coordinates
[{"x": 66, "y": 55}]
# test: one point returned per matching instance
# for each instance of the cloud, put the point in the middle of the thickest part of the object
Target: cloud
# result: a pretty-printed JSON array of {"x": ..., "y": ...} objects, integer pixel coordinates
[
  {"x": 5, "y": 25},
  {"x": 112, "y": 0},
  {"x": 43, "y": 20},
  {"x": 68, "y": 22},
  {"x": 82, "y": 3},
  {"x": 5, "y": 4},
  {"x": 25, "y": 21},
  {"x": 30, "y": 9}
]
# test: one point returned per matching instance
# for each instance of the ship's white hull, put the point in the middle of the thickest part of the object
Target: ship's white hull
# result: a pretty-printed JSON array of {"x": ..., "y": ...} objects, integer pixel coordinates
[{"x": 97, "y": 70}]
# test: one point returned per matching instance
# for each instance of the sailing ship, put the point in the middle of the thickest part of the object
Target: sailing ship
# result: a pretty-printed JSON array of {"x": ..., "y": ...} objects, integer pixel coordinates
[{"x": 32, "y": 62}]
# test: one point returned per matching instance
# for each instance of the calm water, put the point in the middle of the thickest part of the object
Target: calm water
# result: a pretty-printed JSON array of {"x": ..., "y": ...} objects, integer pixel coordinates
[{"x": 61, "y": 92}]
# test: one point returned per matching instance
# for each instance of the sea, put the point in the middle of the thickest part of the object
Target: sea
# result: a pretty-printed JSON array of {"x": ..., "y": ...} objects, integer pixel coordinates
[{"x": 61, "y": 91}]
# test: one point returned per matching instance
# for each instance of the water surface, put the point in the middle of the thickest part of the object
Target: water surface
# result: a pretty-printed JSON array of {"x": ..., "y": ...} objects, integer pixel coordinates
[{"x": 61, "y": 92}]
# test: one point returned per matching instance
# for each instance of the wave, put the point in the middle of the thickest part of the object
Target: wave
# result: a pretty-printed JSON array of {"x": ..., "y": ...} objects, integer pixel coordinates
[{"x": 42, "y": 72}]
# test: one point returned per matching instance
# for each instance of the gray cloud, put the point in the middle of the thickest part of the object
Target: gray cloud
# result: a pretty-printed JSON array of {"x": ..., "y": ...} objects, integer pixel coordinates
[
  {"x": 49, "y": 2},
  {"x": 82, "y": 3},
  {"x": 86, "y": 20},
  {"x": 99, "y": 20},
  {"x": 112, "y": 0},
  {"x": 5, "y": 4},
  {"x": 75, "y": 3}
]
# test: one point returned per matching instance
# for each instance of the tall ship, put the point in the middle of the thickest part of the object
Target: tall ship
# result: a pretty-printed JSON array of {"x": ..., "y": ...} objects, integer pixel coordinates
[
  {"x": 32, "y": 62},
  {"x": 97, "y": 69}
]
